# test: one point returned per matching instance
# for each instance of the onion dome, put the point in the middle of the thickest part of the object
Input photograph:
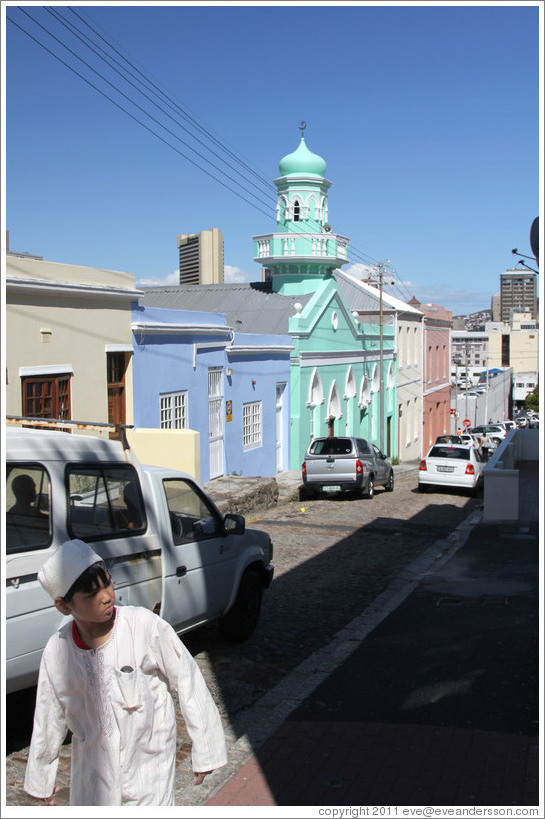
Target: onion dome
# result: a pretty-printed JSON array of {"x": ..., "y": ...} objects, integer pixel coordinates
[{"x": 302, "y": 162}]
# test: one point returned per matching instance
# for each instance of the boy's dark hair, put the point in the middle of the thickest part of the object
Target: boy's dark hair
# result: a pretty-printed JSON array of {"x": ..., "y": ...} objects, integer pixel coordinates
[{"x": 88, "y": 580}]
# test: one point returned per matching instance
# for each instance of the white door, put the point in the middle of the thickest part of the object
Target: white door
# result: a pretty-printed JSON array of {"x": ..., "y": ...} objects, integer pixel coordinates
[
  {"x": 280, "y": 426},
  {"x": 215, "y": 422}
]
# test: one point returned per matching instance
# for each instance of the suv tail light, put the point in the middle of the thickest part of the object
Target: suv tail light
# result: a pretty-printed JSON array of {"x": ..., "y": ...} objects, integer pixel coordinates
[
  {"x": 470, "y": 469},
  {"x": 304, "y": 468},
  {"x": 359, "y": 468},
  {"x": 423, "y": 467}
]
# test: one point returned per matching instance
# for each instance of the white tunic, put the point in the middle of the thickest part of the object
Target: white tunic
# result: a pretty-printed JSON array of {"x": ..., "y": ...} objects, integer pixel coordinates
[{"x": 123, "y": 724}]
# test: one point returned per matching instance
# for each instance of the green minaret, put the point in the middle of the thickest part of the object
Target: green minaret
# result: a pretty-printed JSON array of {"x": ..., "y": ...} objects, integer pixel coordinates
[{"x": 303, "y": 251}]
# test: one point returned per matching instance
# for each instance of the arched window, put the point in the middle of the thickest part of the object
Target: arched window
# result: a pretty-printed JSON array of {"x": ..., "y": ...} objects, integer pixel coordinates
[
  {"x": 315, "y": 399},
  {"x": 316, "y": 390},
  {"x": 365, "y": 393},
  {"x": 375, "y": 379},
  {"x": 334, "y": 403},
  {"x": 390, "y": 381},
  {"x": 296, "y": 211},
  {"x": 350, "y": 387}
]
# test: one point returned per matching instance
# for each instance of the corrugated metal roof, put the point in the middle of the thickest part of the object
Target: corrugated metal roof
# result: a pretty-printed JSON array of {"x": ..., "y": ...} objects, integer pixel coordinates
[{"x": 250, "y": 307}]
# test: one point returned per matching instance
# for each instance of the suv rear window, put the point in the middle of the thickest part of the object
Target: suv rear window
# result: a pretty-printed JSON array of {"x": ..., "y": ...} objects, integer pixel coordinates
[
  {"x": 104, "y": 501},
  {"x": 331, "y": 446}
]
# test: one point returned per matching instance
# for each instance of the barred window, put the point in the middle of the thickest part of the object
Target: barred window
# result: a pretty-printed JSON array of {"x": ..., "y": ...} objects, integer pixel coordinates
[
  {"x": 174, "y": 410},
  {"x": 251, "y": 425}
]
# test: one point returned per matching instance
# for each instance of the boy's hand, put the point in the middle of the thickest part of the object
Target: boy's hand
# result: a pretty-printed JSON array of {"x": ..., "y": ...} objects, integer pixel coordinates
[{"x": 199, "y": 776}]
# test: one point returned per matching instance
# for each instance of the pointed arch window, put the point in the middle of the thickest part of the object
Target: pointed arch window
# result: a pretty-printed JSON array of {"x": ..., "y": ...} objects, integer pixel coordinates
[
  {"x": 334, "y": 403},
  {"x": 365, "y": 393},
  {"x": 296, "y": 211},
  {"x": 315, "y": 400},
  {"x": 350, "y": 387},
  {"x": 375, "y": 379},
  {"x": 316, "y": 391},
  {"x": 390, "y": 380}
]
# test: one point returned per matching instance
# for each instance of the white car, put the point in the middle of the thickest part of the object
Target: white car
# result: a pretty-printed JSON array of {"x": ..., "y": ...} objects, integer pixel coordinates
[{"x": 458, "y": 466}]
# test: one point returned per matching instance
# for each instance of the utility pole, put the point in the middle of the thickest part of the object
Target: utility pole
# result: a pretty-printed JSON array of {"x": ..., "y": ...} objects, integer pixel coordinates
[{"x": 380, "y": 274}]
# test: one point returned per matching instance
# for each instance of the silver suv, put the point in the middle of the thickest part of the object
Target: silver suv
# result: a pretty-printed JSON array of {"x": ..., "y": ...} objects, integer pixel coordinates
[{"x": 346, "y": 464}]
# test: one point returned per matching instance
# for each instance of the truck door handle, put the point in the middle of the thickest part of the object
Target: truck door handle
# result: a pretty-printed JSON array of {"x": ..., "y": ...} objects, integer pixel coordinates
[{"x": 181, "y": 571}]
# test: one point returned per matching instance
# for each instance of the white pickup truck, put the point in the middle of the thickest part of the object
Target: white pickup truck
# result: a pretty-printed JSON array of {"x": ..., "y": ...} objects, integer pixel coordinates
[{"x": 164, "y": 541}]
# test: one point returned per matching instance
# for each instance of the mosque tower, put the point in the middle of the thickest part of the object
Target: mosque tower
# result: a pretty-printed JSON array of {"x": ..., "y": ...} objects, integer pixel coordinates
[{"x": 303, "y": 251}]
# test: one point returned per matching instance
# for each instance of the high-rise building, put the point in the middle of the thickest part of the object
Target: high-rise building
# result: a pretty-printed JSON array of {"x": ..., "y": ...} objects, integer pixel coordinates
[
  {"x": 201, "y": 257},
  {"x": 518, "y": 293}
]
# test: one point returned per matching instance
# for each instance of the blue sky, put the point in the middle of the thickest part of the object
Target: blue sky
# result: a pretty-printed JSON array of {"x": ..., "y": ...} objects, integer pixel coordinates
[{"x": 427, "y": 116}]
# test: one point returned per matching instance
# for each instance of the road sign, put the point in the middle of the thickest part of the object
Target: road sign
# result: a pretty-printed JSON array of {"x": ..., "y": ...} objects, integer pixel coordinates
[
  {"x": 452, "y": 411},
  {"x": 467, "y": 423}
]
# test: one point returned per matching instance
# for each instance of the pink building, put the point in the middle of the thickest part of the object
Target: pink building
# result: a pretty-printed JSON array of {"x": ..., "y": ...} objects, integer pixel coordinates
[{"x": 436, "y": 340}]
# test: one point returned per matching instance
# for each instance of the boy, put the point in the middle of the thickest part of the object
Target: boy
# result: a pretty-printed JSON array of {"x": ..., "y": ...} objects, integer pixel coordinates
[{"x": 106, "y": 676}]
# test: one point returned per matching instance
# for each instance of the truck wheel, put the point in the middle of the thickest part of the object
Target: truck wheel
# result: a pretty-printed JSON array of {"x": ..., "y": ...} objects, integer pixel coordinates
[
  {"x": 241, "y": 620},
  {"x": 369, "y": 490},
  {"x": 306, "y": 492}
]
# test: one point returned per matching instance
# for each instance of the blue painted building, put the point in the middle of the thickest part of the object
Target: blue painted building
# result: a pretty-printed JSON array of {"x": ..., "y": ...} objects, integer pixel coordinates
[{"x": 191, "y": 370}]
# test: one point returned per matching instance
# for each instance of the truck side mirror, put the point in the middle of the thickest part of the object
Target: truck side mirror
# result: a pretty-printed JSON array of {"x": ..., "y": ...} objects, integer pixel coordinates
[{"x": 234, "y": 524}]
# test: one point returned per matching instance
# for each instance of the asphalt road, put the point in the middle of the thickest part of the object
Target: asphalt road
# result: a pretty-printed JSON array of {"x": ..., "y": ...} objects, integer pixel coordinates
[{"x": 333, "y": 556}]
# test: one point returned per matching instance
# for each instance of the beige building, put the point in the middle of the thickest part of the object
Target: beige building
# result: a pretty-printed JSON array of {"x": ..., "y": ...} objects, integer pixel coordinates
[
  {"x": 201, "y": 257},
  {"x": 515, "y": 347},
  {"x": 68, "y": 341}
]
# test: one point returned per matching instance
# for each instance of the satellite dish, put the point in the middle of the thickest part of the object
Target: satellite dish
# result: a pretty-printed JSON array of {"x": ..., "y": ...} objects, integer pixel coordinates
[{"x": 534, "y": 238}]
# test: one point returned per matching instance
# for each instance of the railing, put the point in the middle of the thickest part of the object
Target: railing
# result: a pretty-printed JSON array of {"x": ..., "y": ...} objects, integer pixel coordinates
[
  {"x": 502, "y": 477},
  {"x": 63, "y": 424}
]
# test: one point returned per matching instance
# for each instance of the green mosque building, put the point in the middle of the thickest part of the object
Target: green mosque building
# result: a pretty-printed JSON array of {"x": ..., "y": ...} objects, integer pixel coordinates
[{"x": 342, "y": 371}]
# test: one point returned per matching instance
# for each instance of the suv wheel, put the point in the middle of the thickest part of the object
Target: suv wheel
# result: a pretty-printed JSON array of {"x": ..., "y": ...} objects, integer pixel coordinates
[
  {"x": 240, "y": 621},
  {"x": 369, "y": 490}
]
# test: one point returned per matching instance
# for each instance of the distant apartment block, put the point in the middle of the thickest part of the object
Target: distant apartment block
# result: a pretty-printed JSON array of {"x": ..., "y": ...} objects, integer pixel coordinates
[
  {"x": 469, "y": 353},
  {"x": 201, "y": 257},
  {"x": 518, "y": 293}
]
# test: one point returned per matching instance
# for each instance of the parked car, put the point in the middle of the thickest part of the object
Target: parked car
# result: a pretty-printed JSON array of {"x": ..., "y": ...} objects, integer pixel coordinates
[
  {"x": 495, "y": 432},
  {"x": 469, "y": 439},
  {"x": 448, "y": 439},
  {"x": 457, "y": 466},
  {"x": 346, "y": 463},
  {"x": 165, "y": 543}
]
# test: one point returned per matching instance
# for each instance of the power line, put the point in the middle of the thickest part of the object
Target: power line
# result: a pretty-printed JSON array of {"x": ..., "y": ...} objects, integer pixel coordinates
[
  {"x": 121, "y": 108},
  {"x": 139, "y": 107},
  {"x": 359, "y": 256},
  {"x": 192, "y": 118}
]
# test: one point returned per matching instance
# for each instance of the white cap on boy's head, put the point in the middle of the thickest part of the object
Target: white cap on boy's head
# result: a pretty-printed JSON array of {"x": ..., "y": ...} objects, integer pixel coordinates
[{"x": 63, "y": 568}]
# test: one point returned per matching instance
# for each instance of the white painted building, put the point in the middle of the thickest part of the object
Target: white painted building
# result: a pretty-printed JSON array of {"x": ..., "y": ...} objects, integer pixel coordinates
[{"x": 363, "y": 299}]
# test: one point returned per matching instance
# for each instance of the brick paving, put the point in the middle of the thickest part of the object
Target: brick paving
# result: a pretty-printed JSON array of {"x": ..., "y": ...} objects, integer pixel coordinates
[{"x": 330, "y": 763}]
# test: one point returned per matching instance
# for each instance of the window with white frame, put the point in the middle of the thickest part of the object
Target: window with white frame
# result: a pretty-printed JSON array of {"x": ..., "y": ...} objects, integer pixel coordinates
[
  {"x": 174, "y": 410},
  {"x": 251, "y": 425}
]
